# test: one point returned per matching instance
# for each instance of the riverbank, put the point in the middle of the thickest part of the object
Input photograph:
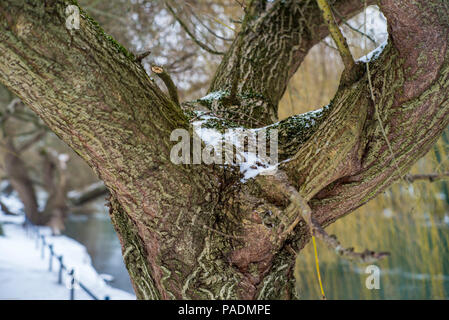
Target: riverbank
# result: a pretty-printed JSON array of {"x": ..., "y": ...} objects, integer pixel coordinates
[{"x": 25, "y": 275}]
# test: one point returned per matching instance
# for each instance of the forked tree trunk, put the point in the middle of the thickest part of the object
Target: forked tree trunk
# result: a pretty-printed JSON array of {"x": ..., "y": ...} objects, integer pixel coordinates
[{"x": 197, "y": 231}]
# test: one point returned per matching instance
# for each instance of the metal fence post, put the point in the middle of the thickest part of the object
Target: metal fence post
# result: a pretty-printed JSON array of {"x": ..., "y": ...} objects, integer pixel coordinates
[
  {"x": 43, "y": 247},
  {"x": 37, "y": 238},
  {"x": 72, "y": 284},
  {"x": 50, "y": 266},
  {"x": 61, "y": 267},
  {"x": 32, "y": 230}
]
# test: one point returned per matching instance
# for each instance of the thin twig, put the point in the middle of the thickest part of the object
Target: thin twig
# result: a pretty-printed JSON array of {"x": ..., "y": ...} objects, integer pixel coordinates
[
  {"x": 174, "y": 65},
  {"x": 189, "y": 33},
  {"x": 212, "y": 18},
  {"x": 331, "y": 241},
  {"x": 353, "y": 28},
  {"x": 209, "y": 29},
  {"x": 31, "y": 141},
  {"x": 317, "y": 264}
]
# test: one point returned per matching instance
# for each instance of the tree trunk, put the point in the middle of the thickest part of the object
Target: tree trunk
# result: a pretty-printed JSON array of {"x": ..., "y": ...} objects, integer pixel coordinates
[
  {"x": 197, "y": 231},
  {"x": 55, "y": 184},
  {"x": 17, "y": 173}
]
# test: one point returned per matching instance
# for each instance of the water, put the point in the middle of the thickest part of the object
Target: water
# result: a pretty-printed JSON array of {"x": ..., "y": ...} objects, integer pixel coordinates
[
  {"x": 96, "y": 232},
  {"x": 418, "y": 267}
]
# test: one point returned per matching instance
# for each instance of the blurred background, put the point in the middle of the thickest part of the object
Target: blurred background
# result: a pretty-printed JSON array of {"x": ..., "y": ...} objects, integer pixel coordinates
[{"x": 40, "y": 175}]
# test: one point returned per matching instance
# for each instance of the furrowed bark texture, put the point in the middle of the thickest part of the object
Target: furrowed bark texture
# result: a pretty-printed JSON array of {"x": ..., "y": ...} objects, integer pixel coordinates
[
  {"x": 93, "y": 95},
  {"x": 410, "y": 89},
  {"x": 198, "y": 231},
  {"x": 273, "y": 47}
]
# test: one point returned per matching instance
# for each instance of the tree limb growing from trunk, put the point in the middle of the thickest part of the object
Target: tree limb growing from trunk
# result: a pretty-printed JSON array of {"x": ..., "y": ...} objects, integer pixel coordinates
[{"x": 199, "y": 231}]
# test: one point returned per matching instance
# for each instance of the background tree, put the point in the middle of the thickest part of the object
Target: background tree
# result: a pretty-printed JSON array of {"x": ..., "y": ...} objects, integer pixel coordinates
[
  {"x": 198, "y": 231},
  {"x": 32, "y": 164}
]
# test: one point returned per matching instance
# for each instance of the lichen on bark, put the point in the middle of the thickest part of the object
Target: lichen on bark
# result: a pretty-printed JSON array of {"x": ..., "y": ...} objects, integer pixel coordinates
[{"x": 197, "y": 231}]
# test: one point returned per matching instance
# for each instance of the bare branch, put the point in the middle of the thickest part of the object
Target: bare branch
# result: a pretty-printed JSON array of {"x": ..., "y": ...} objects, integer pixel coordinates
[
  {"x": 142, "y": 55},
  {"x": 208, "y": 28},
  {"x": 331, "y": 241},
  {"x": 337, "y": 36},
  {"x": 6, "y": 210},
  {"x": 190, "y": 33},
  {"x": 12, "y": 105},
  {"x": 31, "y": 142},
  {"x": 430, "y": 177},
  {"x": 178, "y": 62},
  {"x": 93, "y": 191},
  {"x": 299, "y": 205}
]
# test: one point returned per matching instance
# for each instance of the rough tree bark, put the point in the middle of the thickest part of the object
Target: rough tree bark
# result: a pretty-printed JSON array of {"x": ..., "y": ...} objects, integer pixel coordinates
[{"x": 196, "y": 231}]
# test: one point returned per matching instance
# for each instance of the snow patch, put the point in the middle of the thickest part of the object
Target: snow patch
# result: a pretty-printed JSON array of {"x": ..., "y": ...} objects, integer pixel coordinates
[
  {"x": 216, "y": 95},
  {"x": 373, "y": 55},
  {"x": 24, "y": 274},
  {"x": 250, "y": 163}
]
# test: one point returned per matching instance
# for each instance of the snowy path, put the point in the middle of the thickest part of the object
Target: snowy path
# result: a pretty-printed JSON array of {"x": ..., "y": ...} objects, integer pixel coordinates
[{"x": 24, "y": 275}]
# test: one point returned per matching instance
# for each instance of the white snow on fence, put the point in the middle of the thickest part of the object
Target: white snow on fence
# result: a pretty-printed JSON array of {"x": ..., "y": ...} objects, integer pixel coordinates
[{"x": 25, "y": 275}]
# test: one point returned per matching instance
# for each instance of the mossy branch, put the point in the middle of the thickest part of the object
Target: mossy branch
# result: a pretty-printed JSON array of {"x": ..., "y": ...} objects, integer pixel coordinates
[
  {"x": 300, "y": 207},
  {"x": 165, "y": 77},
  {"x": 346, "y": 23},
  {"x": 337, "y": 36},
  {"x": 332, "y": 242}
]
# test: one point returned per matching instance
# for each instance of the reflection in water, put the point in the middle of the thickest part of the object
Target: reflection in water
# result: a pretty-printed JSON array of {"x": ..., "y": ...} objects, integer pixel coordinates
[
  {"x": 418, "y": 267},
  {"x": 411, "y": 221},
  {"x": 96, "y": 232}
]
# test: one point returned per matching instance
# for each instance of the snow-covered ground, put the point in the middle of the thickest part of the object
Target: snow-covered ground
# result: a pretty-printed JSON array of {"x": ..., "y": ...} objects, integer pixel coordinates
[{"x": 25, "y": 275}]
